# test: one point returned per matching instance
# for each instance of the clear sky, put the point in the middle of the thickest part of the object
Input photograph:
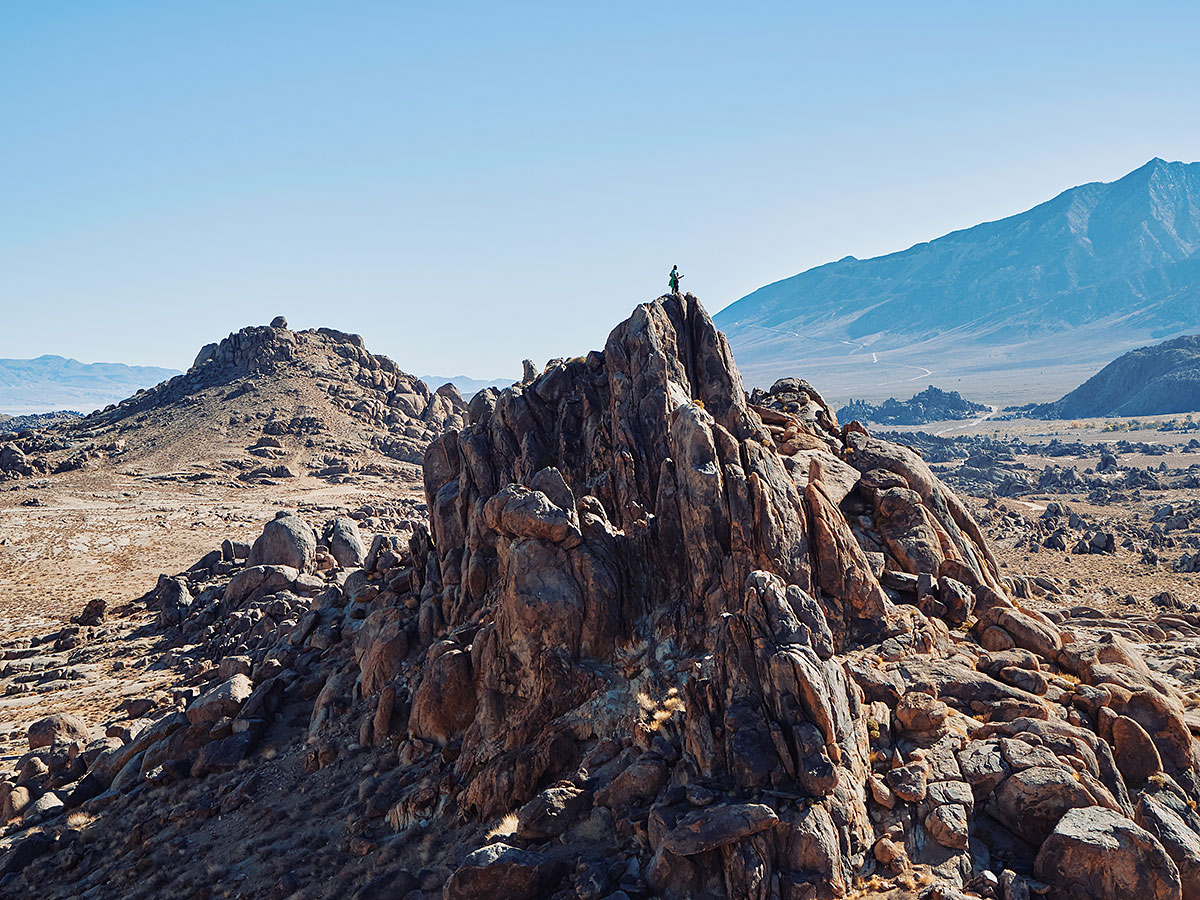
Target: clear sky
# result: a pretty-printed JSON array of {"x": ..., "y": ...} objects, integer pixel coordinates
[{"x": 467, "y": 185}]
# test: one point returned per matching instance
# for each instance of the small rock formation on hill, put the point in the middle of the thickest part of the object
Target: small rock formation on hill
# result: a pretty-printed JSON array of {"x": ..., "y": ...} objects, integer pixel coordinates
[
  {"x": 931, "y": 405},
  {"x": 660, "y": 639}
]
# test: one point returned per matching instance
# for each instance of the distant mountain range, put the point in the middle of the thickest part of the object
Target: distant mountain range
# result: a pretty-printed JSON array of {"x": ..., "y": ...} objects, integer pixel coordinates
[
  {"x": 1148, "y": 381},
  {"x": 1025, "y": 304},
  {"x": 54, "y": 383},
  {"x": 468, "y": 387}
]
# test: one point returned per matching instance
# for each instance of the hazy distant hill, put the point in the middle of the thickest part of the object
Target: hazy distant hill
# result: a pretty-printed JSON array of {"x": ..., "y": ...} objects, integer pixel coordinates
[
  {"x": 466, "y": 386},
  {"x": 1148, "y": 381},
  {"x": 53, "y": 383},
  {"x": 1061, "y": 287}
]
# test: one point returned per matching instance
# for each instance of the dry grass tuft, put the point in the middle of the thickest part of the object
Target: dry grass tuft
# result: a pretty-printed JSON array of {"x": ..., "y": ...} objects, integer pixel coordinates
[{"x": 506, "y": 827}]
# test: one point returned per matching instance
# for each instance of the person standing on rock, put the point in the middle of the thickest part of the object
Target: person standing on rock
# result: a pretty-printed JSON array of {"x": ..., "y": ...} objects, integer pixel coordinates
[{"x": 673, "y": 279}]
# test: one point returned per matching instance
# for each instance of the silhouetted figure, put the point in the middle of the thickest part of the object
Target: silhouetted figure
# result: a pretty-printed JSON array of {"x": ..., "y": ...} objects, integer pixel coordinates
[{"x": 673, "y": 279}]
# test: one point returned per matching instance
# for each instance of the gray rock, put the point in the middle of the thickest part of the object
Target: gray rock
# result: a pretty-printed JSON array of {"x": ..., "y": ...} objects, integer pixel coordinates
[
  {"x": 225, "y": 699},
  {"x": 345, "y": 543},
  {"x": 286, "y": 541}
]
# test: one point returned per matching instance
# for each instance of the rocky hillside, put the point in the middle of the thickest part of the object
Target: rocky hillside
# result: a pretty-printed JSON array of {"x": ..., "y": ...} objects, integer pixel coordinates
[
  {"x": 657, "y": 640},
  {"x": 52, "y": 382},
  {"x": 1100, "y": 268},
  {"x": 931, "y": 405},
  {"x": 1148, "y": 381},
  {"x": 264, "y": 403}
]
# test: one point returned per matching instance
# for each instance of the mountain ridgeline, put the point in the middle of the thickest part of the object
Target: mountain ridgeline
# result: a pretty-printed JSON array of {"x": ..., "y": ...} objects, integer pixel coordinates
[{"x": 1099, "y": 269}]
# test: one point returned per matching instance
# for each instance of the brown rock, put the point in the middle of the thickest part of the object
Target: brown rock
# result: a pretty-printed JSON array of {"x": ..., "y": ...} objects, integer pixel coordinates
[
  {"x": 57, "y": 728},
  {"x": 1098, "y": 854},
  {"x": 1135, "y": 753},
  {"x": 499, "y": 870},
  {"x": 921, "y": 712},
  {"x": 716, "y": 826},
  {"x": 639, "y": 783},
  {"x": 444, "y": 703}
]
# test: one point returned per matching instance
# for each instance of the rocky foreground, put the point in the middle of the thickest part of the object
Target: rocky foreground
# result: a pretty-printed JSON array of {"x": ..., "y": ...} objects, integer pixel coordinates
[{"x": 653, "y": 640}]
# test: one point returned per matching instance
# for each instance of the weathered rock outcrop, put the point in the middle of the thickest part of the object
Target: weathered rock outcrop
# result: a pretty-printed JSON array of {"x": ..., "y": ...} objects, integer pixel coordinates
[
  {"x": 659, "y": 639},
  {"x": 759, "y": 600}
]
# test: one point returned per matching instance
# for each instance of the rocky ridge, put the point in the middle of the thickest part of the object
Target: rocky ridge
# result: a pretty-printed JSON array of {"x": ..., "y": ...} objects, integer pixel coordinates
[
  {"x": 303, "y": 402},
  {"x": 660, "y": 638},
  {"x": 930, "y": 405}
]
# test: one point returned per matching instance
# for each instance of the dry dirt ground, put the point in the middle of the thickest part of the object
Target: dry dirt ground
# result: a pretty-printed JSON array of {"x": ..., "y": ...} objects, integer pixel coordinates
[{"x": 108, "y": 534}]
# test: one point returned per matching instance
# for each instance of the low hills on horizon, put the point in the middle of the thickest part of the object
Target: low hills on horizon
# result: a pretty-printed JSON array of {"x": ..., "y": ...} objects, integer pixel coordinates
[{"x": 49, "y": 382}]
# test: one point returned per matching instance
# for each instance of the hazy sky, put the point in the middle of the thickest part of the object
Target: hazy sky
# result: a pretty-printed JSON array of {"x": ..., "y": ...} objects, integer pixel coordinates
[{"x": 467, "y": 185}]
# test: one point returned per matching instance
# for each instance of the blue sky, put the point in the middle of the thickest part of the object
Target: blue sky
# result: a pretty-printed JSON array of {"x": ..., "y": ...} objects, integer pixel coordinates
[{"x": 467, "y": 185}]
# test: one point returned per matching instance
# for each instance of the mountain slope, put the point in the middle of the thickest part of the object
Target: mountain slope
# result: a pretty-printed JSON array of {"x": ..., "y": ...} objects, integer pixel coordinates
[
  {"x": 1108, "y": 265},
  {"x": 53, "y": 382},
  {"x": 1148, "y": 381}
]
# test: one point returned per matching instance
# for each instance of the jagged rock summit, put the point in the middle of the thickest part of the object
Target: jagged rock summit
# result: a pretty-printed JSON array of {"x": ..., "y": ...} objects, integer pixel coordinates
[
  {"x": 654, "y": 591},
  {"x": 267, "y": 401}
]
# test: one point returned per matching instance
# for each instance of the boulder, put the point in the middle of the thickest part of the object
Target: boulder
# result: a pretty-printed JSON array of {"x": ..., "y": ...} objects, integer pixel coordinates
[
  {"x": 224, "y": 700},
  {"x": 1097, "y": 854},
  {"x": 551, "y": 812},
  {"x": 716, "y": 826},
  {"x": 345, "y": 543},
  {"x": 499, "y": 870},
  {"x": 1032, "y": 801},
  {"x": 57, "y": 728},
  {"x": 1135, "y": 753},
  {"x": 286, "y": 540},
  {"x": 948, "y": 825}
]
